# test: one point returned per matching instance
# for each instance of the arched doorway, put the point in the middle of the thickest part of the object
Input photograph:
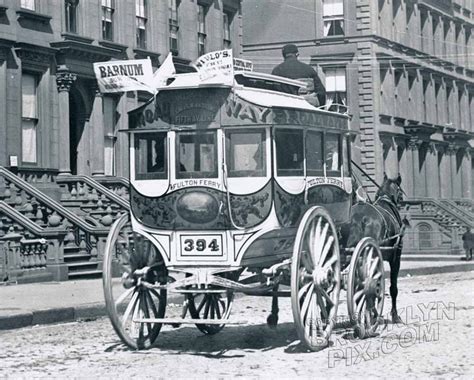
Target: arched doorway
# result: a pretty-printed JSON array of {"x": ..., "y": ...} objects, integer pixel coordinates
[{"x": 79, "y": 146}]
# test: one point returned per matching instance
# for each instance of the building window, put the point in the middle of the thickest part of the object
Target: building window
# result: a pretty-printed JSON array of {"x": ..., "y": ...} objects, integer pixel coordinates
[
  {"x": 174, "y": 25},
  {"x": 141, "y": 19},
  {"x": 71, "y": 15},
  {"x": 333, "y": 17},
  {"x": 28, "y": 4},
  {"x": 108, "y": 8},
  {"x": 29, "y": 117},
  {"x": 425, "y": 236},
  {"x": 335, "y": 88},
  {"x": 109, "y": 110},
  {"x": 201, "y": 30},
  {"x": 227, "y": 28}
]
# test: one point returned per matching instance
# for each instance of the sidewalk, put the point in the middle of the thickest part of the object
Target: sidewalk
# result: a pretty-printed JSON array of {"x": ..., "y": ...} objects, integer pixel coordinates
[{"x": 52, "y": 302}]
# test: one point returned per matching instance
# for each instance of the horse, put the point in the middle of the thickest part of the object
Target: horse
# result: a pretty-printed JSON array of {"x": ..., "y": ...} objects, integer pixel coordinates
[{"x": 381, "y": 221}]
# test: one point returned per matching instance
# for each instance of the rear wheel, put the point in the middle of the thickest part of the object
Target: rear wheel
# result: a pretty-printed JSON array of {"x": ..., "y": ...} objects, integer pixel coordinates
[
  {"x": 366, "y": 288},
  {"x": 315, "y": 278},
  {"x": 129, "y": 260},
  {"x": 210, "y": 306}
]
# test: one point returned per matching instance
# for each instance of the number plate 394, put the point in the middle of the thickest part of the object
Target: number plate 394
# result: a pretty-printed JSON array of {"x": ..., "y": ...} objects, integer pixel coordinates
[{"x": 201, "y": 245}]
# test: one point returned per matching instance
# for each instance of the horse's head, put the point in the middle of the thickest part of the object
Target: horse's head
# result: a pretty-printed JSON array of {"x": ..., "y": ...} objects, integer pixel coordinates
[{"x": 391, "y": 188}]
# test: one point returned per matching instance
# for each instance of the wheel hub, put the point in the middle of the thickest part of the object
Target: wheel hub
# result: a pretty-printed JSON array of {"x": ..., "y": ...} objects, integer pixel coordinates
[{"x": 323, "y": 277}]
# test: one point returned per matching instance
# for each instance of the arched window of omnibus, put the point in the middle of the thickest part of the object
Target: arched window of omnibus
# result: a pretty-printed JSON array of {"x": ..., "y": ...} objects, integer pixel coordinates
[
  {"x": 196, "y": 155},
  {"x": 151, "y": 156},
  {"x": 246, "y": 153},
  {"x": 289, "y": 152},
  {"x": 314, "y": 154},
  {"x": 332, "y": 144}
]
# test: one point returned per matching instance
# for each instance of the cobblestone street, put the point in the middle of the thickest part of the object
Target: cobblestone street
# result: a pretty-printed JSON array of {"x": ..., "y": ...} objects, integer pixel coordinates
[{"x": 435, "y": 342}]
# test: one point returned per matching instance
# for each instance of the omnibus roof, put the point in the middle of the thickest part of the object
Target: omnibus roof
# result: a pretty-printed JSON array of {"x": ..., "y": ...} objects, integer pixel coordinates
[{"x": 186, "y": 102}]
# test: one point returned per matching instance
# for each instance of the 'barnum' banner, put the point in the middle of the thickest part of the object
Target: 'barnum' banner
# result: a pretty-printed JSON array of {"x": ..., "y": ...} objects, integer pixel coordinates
[{"x": 122, "y": 76}]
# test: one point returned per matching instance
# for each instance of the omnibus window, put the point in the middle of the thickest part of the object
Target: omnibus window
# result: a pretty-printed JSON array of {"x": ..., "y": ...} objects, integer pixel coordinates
[
  {"x": 290, "y": 152},
  {"x": 333, "y": 154},
  {"x": 345, "y": 156},
  {"x": 196, "y": 155},
  {"x": 314, "y": 153},
  {"x": 246, "y": 154},
  {"x": 150, "y": 156}
]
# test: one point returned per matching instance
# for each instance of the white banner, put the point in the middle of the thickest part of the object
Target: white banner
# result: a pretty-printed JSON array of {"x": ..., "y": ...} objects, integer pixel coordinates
[
  {"x": 122, "y": 76},
  {"x": 242, "y": 64},
  {"x": 216, "y": 67},
  {"x": 165, "y": 71}
]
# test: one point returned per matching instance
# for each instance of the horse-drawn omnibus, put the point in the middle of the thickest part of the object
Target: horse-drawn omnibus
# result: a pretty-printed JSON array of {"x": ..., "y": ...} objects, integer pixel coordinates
[{"x": 244, "y": 188}]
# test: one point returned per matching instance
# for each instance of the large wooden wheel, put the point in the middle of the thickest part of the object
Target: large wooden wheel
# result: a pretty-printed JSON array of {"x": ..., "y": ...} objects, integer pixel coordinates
[
  {"x": 210, "y": 306},
  {"x": 366, "y": 288},
  {"x": 315, "y": 278},
  {"x": 130, "y": 259}
]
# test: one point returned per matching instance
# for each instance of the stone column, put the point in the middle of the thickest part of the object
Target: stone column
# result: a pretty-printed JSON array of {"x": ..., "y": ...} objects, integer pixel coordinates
[
  {"x": 445, "y": 182},
  {"x": 390, "y": 156},
  {"x": 411, "y": 154},
  {"x": 64, "y": 81},
  {"x": 453, "y": 178},
  {"x": 419, "y": 187},
  {"x": 98, "y": 139},
  {"x": 432, "y": 171},
  {"x": 467, "y": 191},
  {"x": 427, "y": 32}
]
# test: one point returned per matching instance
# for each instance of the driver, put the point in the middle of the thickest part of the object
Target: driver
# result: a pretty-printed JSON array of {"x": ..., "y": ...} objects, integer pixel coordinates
[{"x": 292, "y": 68}]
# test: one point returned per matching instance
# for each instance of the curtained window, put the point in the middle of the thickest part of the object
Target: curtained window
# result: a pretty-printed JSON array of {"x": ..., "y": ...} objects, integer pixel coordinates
[
  {"x": 28, "y": 4},
  {"x": 173, "y": 25},
  {"x": 141, "y": 20},
  {"x": 71, "y": 15},
  {"x": 333, "y": 17},
  {"x": 227, "y": 29},
  {"x": 335, "y": 88},
  {"x": 201, "y": 30},
  {"x": 29, "y": 119},
  {"x": 108, "y": 8}
]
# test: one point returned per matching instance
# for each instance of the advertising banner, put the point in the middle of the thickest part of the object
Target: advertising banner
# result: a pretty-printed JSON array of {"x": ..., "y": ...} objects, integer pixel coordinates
[{"x": 123, "y": 76}]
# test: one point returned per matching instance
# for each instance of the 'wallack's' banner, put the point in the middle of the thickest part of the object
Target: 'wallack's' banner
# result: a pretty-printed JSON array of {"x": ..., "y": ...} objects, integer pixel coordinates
[
  {"x": 122, "y": 76},
  {"x": 216, "y": 67}
]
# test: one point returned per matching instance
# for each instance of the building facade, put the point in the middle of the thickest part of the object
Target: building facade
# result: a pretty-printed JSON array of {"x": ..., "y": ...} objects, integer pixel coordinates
[
  {"x": 404, "y": 70},
  {"x": 52, "y": 118}
]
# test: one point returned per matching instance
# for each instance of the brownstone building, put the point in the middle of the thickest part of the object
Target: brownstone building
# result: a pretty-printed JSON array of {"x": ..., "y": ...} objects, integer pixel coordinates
[
  {"x": 404, "y": 70},
  {"x": 51, "y": 116},
  {"x": 54, "y": 122}
]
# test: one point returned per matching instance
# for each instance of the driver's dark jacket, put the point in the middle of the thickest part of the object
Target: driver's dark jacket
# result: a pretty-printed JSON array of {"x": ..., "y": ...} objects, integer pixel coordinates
[{"x": 292, "y": 68}]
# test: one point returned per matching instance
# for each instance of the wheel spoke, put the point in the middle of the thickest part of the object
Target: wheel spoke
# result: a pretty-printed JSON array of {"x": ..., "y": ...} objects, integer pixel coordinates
[
  {"x": 306, "y": 302},
  {"x": 201, "y": 304},
  {"x": 320, "y": 242},
  {"x": 324, "y": 311},
  {"x": 123, "y": 296},
  {"x": 373, "y": 267},
  {"x": 358, "y": 294},
  {"x": 325, "y": 295},
  {"x": 129, "y": 308},
  {"x": 206, "y": 309},
  {"x": 360, "y": 304},
  {"x": 330, "y": 263},
  {"x": 303, "y": 289},
  {"x": 327, "y": 247}
]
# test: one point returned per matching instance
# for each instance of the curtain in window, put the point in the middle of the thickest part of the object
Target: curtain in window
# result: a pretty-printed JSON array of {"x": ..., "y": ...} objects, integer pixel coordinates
[
  {"x": 333, "y": 8},
  {"x": 28, "y": 138},
  {"x": 335, "y": 86},
  {"x": 28, "y": 96},
  {"x": 140, "y": 8},
  {"x": 28, "y": 4}
]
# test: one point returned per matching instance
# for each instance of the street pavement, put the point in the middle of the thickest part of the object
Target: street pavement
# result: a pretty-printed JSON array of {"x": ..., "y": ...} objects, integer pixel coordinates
[
  {"x": 435, "y": 341},
  {"x": 51, "y": 302}
]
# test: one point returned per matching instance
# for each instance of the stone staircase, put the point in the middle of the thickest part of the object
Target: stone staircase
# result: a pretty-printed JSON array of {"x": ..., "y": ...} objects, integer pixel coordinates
[
  {"x": 451, "y": 217},
  {"x": 73, "y": 227}
]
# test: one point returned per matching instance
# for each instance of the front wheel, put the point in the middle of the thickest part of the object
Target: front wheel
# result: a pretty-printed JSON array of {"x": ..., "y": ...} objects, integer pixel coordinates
[
  {"x": 315, "y": 278},
  {"x": 366, "y": 288},
  {"x": 130, "y": 259}
]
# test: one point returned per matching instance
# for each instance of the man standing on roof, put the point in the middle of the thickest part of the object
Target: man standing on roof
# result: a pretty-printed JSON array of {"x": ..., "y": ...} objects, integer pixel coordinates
[{"x": 292, "y": 68}]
